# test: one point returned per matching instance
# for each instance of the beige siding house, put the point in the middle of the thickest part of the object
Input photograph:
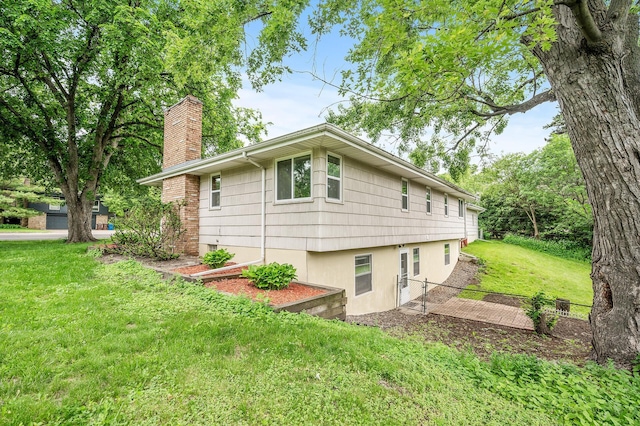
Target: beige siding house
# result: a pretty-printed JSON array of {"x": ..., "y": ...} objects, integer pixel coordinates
[{"x": 345, "y": 213}]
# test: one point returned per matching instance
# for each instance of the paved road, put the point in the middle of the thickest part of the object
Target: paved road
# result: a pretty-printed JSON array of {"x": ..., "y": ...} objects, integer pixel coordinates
[{"x": 57, "y": 234}]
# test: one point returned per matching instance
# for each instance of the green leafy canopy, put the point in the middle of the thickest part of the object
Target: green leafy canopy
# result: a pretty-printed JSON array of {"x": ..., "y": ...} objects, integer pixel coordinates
[
  {"x": 439, "y": 74},
  {"x": 83, "y": 85}
]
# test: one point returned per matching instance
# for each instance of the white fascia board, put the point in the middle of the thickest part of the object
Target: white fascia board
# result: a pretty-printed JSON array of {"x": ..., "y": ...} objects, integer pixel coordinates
[
  {"x": 237, "y": 154},
  {"x": 326, "y": 129},
  {"x": 410, "y": 168}
]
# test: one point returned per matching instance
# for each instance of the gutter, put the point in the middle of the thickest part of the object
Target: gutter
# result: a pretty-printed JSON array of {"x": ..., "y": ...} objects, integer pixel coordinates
[
  {"x": 301, "y": 136},
  {"x": 464, "y": 218}
]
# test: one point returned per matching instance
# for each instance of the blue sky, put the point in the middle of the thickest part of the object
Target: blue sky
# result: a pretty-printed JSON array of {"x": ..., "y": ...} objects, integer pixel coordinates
[{"x": 300, "y": 101}]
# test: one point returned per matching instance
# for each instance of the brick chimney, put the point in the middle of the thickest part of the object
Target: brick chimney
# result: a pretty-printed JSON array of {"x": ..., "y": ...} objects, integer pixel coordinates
[{"x": 182, "y": 143}]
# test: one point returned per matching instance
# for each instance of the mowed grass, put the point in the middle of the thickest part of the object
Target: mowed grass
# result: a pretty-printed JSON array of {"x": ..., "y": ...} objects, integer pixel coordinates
[
  {"x": 518, "y": 270},
  {"x": 85, "y": 343}
]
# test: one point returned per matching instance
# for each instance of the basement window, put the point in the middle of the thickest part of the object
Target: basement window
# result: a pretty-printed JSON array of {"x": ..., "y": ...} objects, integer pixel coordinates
[
  {"x": 447, "y": 254},
  {"x": 363, "y": 274}
]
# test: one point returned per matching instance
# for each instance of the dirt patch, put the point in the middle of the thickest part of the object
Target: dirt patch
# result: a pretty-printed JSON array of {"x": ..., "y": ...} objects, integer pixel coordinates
[
  {"x": 160, "y": 265},
  {"x": 463, "y": 274},
  {"x": 571, "y": 339},
  {"x": 503, "y": 300},
  {"x": 242, "y": 286}
]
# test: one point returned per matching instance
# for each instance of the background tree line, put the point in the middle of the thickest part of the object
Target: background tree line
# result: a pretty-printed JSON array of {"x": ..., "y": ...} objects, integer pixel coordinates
[{"x": 540, "y": 195}]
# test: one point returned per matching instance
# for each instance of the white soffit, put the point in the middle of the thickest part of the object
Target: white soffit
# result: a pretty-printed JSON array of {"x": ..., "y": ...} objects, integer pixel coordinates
[{"x": 325, "y": 135}]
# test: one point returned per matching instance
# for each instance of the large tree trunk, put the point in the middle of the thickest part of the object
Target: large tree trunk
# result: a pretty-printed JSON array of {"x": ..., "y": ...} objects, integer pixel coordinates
[
  {"x": 606, "y": 140},
  {"x": 79, "y": 212}
]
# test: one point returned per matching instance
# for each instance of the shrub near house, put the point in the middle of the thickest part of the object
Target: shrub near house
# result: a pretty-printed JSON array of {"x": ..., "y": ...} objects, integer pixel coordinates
[
  {"x": 217, "y": 258},
  {"x": 270, "y": 277}
]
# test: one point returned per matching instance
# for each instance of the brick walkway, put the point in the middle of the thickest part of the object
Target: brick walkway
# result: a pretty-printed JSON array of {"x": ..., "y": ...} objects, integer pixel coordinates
[{"x": 478, "y": 310}]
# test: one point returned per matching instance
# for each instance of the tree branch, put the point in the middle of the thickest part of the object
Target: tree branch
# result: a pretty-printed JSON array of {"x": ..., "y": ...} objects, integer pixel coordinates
[
  {"x": 139, "y": 123},
  {"x": 140, "y": 138},
  {"x": 57, "y": 88},
  {"x": 463, "y": 137},
  {"x": 497, "y": 110},
  {"x": 256, "y": 17},
  {"x": 619, "y": 9},
  {"x": 584, "y": 19}
]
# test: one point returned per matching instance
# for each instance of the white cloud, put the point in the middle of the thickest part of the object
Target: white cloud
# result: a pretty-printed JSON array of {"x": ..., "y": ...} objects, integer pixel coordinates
[{"x": 290, "y": 105}]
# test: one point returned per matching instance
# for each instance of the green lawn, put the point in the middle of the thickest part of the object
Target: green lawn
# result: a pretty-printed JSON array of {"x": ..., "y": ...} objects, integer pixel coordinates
[
  {"x": 85, "y": 343},
  {"x": 518, "y": 270}
]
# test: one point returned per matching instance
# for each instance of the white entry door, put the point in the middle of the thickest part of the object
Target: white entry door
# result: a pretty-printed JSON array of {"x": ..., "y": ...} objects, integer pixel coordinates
[{"x": 405, "y": 294}]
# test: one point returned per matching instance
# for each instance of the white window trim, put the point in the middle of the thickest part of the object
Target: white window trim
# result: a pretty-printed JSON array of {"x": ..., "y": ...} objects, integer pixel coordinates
[
  {"x": 430, "y": 201},
  {"x": 219, "y": 191},
  {"x": 461, "y": 208},
  {"x": 354, "y": 274},
  {"x": 96, "y": 206},
  {"x": 413, "y": 261},
  {"x": 55, "y": 207},
  {"x": 447, "y": 245},
  {"x": 334, "y": 200},
  {"x": 402, "y": 181},
  {"x": 446, "y": 205},
  {"x": 275, "y": 180}
]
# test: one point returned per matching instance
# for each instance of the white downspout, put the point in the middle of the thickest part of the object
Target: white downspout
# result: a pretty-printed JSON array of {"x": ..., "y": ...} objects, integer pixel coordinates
[
  {"x": 263, "y": 215},
  {"x": 263, "y": 225},
  {"x": 464, "y": 217},
  {"x": 226, "y": 268}
]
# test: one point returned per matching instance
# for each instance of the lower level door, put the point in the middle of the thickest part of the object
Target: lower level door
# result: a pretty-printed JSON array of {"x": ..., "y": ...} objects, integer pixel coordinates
[{"x": 405, "y": 294}]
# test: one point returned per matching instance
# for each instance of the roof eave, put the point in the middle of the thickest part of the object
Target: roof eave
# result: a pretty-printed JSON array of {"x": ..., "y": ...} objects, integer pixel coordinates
[{"x": 297, "y": 136}]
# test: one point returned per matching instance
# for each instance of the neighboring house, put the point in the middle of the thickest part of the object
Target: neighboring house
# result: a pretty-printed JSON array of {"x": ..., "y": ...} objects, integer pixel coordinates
[
  {"x": 55, "y": 216},
  {"x": 345, "y": 213}
]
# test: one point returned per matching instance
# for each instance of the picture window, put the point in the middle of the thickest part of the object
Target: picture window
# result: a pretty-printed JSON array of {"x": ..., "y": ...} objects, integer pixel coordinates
[{"x": 293, "y": 178}]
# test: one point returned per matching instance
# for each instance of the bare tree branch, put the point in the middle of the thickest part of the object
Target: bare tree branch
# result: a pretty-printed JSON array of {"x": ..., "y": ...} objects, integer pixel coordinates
[
  {"x": 496, "y": 110},
  {"x": 256, "y": 17},
  {"x": 463, "y": 137}
]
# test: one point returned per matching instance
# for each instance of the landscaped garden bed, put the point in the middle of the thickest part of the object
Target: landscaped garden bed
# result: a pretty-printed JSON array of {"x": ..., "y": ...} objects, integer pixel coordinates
[{"x": 325, "y": 302}]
